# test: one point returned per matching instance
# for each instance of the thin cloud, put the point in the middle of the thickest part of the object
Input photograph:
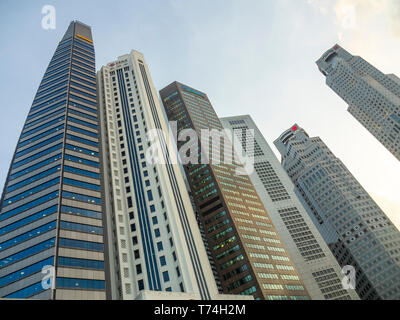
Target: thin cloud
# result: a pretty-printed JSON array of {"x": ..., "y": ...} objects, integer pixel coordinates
[{"x": 365, "y": 15}]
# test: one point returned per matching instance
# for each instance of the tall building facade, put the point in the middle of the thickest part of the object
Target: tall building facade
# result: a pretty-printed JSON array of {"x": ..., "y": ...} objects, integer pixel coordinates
[
  {"x": 155, "y": 246},
  {"x": 51, "y": 207},
  {"x": 316, "y": 264},
  {"x": 356, "y": 229},
  {"x": 249, "y": 256},
  {"x": 373, "y": 97}
]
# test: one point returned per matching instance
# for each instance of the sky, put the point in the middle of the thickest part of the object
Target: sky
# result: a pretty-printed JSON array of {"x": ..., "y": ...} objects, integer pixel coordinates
[{"x": 253, "y": 57}]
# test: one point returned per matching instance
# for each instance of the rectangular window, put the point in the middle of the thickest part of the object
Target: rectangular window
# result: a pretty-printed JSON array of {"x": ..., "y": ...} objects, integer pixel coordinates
[
  {"x": 163, "y": 262},
  {"x": 165, "y": 276}
]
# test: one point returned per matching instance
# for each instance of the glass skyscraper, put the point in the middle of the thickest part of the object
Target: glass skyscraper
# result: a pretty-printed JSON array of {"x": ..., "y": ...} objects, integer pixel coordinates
[
  {"x": 316, "y": 264},
  {"x": 155, "y": 246},
  {"x": 357, "y": 231},
  {"x": 373, "y": 97},
  {"x": 247, "y": 252},
  {"x": 51, "y": 207}
]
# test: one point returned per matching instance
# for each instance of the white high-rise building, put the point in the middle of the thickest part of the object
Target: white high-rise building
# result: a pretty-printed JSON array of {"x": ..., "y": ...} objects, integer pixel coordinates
[
  {"x": 154, "y": 244},
  {"x": 314, "y": 261},
  {"x": 373, "y": 97},
  {"x": 357, "y": 231}
]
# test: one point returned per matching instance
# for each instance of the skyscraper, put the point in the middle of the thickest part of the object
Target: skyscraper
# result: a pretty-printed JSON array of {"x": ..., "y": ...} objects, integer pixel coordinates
[
  {"x": 317, "y": 266},
  {"x": 155, "y": 247},
  {"x": 247, "y": 252},
  {"x": 373, "y": 97},
  {"x": 51, "y": 207},
  {"x": 356, "y": 229}
]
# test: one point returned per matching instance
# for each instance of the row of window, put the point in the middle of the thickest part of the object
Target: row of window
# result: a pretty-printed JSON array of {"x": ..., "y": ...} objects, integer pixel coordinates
[
  {"x": 80, "y": 106},
  {"x": 27, "y": 252},
  {"x": 38, "y": 145},
  {"x": 82, "y": 69},
  {"x": 31, "y": 191},
  {"x": 81, "y": 160},
  {"x": 36, "y": 156},
  {"x": 82, "y": 140},
  {"x": 81, "y": 263},
  {"x": 82, "y": 131},
  {"x": 35, "y": 166},
  {"x": 80, "y": 227},
  {"x": 29, "y": 205},
  {"x": 72, "y": 96},
  {"x": 83, "y": 87},
  {"x": 81, "y": 184},
  {"x": 55, "y": 84},
  {"x": 82, "y": 114},
  {"x": 33, "y": 178},
  {"x": 52, "y": 82},
  {"x": 45, "y": 110},
  {"x": 27, "y": 271},
  {"x": 82, "y": 172},
  {"x": 84, "y": 53},
  {"x": 34, "y": 217},
  {"x": 53, "y": 75},
  {"x": 82, "y": 122},
  {"x": 82, "y": 93},
  {"x": 81, "y": 212},
  {"x": 78, "y": 61},
  {"x": 41, "y": 135},
  {"x": 80, "y": 58},
  {"x": 43, "y": 126},
  {"x": 45, "y": 117},
  {"x": 80, "y": 244},
  {"x": 28, "y": 235},
  {"x": 60, "y": 283},
  {"x": 83, "y": 75},
  {"x": 81, "y": 197},
  {"x": 81, "y": 150}
]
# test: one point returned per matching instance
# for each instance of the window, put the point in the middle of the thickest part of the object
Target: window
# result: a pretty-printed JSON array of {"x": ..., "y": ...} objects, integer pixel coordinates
[
  {"x": 140, "y": 284},
  {"x": 157, "y": 233},
  {"x": 129, "y": 199},
  {"x": 81, "y": 263},
  {"x": 165, "y": 276},
  {"x": 150, "y": 195},
  {"x": 80, "y": 227},
  {"x": 138, "y": 268},
  {"x": 163, "y": 262},
  {"x": 160, "y": 246}
]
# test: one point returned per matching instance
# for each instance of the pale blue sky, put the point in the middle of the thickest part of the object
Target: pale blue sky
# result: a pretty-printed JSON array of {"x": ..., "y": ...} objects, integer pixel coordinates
[{"x": 252, "y": 57}]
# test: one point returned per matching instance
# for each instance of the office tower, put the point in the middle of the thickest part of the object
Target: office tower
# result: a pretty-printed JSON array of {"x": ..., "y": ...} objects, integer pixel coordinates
[
  {"x": 51, "y": 207},
  {"x": 356, "y": 229},
  {"x": 248, "y": 254},
  {"x": 155, "y": 246},
  {"x": 373, "y": 97},
  {"x": 314, "y": 261}
]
